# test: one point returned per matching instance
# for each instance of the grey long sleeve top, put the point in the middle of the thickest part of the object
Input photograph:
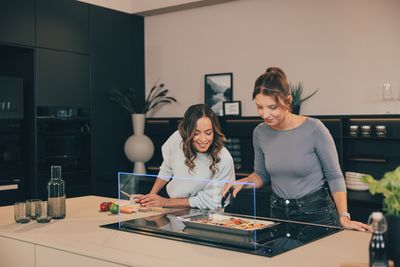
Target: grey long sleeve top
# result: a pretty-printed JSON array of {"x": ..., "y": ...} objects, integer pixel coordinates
[
  {"x": 297, "y": 161},
  {"x": 201, "y": 187}
]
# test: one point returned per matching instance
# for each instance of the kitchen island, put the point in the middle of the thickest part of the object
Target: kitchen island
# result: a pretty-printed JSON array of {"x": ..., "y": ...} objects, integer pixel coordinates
[{"x": 78, "y": 240}]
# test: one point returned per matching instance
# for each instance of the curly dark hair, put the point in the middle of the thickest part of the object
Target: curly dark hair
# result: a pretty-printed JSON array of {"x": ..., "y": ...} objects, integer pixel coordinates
[
  {"x": 187, "y": 129},
  {"x": 273, "y": 82}
]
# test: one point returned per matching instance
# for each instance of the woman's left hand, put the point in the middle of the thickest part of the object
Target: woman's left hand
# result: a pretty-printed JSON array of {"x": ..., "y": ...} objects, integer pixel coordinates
[
  {"x": 354, "y": 225},
  {"x": 152, "y": 200}
]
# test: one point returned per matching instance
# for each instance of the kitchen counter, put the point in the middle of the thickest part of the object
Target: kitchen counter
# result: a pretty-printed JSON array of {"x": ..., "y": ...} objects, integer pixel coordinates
[{"x": 78, "y": 240}]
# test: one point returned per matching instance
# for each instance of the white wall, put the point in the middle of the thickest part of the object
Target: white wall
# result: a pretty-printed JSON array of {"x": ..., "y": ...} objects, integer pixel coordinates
[{"x": 347, "y": 48}]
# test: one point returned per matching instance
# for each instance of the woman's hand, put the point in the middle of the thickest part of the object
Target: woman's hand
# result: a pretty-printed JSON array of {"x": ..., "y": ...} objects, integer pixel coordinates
[
  {"x": 236, "y": 188},
  {"x": 354, "y": 225},
  {"x": 152, "y": 200}
]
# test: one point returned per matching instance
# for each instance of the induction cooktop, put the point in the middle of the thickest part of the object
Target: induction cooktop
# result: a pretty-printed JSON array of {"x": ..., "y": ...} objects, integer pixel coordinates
[{"x": 275, "y": 238}]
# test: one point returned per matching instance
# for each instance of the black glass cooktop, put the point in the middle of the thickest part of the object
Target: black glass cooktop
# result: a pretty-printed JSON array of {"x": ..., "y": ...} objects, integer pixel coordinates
[{"x": 272, "y": 238}]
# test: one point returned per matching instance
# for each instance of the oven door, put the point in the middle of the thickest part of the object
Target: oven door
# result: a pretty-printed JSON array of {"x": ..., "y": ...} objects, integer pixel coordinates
[
  {"x": 10, "y": 152},
  {"x": 58, "y": 149},
  {"x": 11, "y": 169}
]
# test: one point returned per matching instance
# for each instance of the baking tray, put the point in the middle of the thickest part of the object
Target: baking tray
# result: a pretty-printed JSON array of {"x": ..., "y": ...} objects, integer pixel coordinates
[{"x": 193, "y": 222}]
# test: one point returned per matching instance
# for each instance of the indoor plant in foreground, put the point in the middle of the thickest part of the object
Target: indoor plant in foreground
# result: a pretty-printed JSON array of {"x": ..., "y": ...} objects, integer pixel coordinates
[
  {"x": 296, "y": 90},
  {"x": 389, "y": 186},
  {"x": 138, "y": 147}
]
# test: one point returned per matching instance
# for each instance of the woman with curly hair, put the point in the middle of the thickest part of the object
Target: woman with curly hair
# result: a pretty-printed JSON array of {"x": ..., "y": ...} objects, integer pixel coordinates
[{"x": 195, "y": 164}]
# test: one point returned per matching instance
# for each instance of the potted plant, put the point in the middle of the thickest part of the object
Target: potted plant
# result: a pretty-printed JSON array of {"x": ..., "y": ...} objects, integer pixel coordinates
[
  {"x": 389, "y": 186},
  {"x": 127, "y": 99},
  {"x": 296, "y": 90},
  {"x": 138, "y": 147}
]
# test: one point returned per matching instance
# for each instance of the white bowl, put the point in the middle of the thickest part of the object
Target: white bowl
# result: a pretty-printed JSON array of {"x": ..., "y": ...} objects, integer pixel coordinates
[
  {"x": 357, "y": 187},
  {"x": 351, "y": 182},
  {"x": 351, "y": 179},
  {"x": 354, "y": 174}
]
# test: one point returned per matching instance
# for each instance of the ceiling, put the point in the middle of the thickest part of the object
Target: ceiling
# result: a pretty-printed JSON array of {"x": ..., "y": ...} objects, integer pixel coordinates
[{"x": 151, "y": 7}]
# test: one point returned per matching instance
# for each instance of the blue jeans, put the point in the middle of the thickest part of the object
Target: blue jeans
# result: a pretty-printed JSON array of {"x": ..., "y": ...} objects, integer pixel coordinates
[{"x": 316, "y": 207}]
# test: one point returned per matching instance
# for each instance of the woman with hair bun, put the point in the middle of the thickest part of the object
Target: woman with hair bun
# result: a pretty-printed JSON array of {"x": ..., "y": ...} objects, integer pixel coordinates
[
  {"x": 195, "y": 164},
  {"x": 297, "y": 155}
]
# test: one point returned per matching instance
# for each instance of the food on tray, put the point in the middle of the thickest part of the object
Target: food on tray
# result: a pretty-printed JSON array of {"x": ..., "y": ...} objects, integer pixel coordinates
[
  {"x": 127, "y": 209},
  {"x": 237, "y": 223}
]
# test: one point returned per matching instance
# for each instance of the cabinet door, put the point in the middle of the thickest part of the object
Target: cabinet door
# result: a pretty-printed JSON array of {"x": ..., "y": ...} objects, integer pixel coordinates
[
  {"x": 117, "y": 61},
  {"x": 62, "y": 24},
  {"x": 17, "y": 22},
  {"x": 48, "y": 257},
  {"x": 11, "y": 251},
  {"x": 62, "y": 79}
]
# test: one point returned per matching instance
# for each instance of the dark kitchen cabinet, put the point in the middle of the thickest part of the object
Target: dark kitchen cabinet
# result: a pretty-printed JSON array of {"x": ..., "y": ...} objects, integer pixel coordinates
[
  {"x": 70, "y": 54},
  {"x": 17, "y": 22},
  {"x": 62, "y": 79},
  {"x": 62, "y": 25},
  {"x": 117, "y": 61}
]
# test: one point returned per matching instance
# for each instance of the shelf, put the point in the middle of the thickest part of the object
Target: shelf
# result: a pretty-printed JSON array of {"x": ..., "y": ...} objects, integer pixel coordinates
[
  {"x": 62, "y": 133},
  {"x": 373, "y": 159},
  {"x": 153, "y": 168},
  {"x": 64, "y": 172},
  {"x": 77, "y": 118},
  {"x": 371, "y": 138}
]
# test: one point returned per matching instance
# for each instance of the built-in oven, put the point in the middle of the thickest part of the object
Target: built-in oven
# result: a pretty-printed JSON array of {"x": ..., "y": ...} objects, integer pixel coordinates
[
  {"x": 12, "y": 141},
  {"x": 63, "y": 139},
  {"x": 12, "y": 164}
]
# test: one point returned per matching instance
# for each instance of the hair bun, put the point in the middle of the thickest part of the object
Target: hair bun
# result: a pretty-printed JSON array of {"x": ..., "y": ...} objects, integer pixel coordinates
[{"x": 275, "y": 71}]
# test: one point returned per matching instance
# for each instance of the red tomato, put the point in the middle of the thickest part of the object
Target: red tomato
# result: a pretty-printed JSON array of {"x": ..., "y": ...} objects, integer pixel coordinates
[{"x": 105, "y": 206}]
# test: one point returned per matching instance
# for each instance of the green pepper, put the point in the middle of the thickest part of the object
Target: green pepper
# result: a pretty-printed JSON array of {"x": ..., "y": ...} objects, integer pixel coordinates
[{"x": 114, "y": 208}]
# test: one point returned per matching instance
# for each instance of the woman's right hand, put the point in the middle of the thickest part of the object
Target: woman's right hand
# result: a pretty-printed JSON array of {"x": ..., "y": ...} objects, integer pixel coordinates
[{"x": 236, "y": 188}]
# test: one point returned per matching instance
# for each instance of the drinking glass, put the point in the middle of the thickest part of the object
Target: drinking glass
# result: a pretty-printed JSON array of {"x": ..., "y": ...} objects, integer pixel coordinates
[
  {"x": 380, "y": 130},
  {"x": 365, "y": 130},
  {"x": 8, "y": 106},
  {"x": 354, "y": 130},
  {"x": 21, "y": 212},
  {"x": 42, "y": 212},
  {"x": 31, "y": 207},
  {"x": 387, "y": 95}
]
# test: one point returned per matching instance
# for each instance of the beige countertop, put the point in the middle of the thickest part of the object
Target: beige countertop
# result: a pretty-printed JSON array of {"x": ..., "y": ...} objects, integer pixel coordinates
[{"x": 80, "y": 233}]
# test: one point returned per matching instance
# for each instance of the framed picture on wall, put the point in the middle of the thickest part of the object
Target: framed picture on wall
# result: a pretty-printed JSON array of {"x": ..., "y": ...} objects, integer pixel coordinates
[
  {"x": 218, "y": 89},
  {"x": 232, "y": 108}
]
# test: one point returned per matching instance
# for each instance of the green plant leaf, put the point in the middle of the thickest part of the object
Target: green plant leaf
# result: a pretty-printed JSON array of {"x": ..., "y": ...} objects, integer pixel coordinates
[
  {"x": 389, "y": 186},
  {"x": 296, "y": 90},
  {"x": 126, "y": 99}
]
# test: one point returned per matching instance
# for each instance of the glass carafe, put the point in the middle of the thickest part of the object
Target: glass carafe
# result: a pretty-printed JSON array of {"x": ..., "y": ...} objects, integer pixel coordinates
[
  {"x": 377, "y": 248},
  {"x": 56, "y": 194}
]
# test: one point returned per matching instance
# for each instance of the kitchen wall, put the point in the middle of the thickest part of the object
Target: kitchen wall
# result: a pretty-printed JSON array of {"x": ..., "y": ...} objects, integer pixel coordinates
[{"x": 347, "y": 48}]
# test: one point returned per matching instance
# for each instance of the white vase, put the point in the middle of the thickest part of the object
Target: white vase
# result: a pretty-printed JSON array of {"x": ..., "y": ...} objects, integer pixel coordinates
[{"x": 138, "y": 147}]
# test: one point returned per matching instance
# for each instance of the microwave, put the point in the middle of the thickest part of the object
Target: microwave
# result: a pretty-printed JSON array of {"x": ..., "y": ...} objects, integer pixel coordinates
[{"x": 11, "y": 98}]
